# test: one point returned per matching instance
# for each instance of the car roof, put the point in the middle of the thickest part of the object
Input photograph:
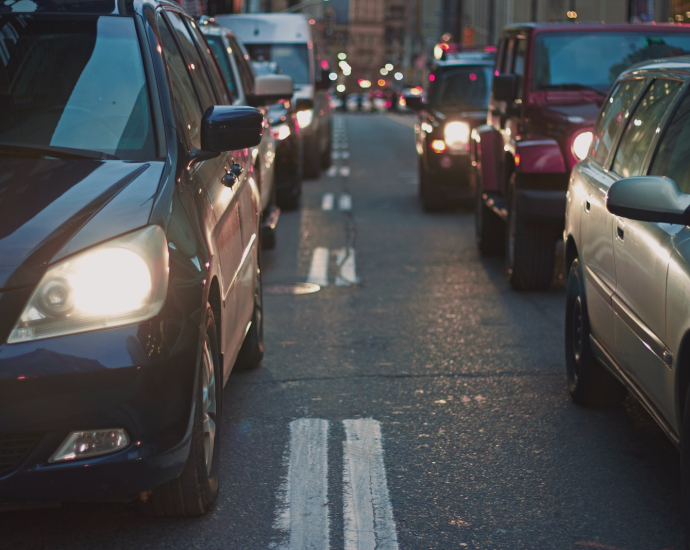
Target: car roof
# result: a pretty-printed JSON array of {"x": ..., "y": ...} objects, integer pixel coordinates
[
  {"x": 257, "y": 28},
  {"x": 680, "y": 64},
  {"x": 464, "y": 63},
  {"x": 569, "y": 26},
  {"x": 95, "y": 7},
  {"x": 210, "y": 27}
]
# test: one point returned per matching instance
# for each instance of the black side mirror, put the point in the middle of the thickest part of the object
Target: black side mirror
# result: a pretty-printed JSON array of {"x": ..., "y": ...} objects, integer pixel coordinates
[
  {"x": 505, "y": 87},
  {"x": 228, "y": 128},
  {"x": 325, "y": 82},
  {"x": 414, "y": 102},
  {"x": 649, "y": 199},
  {"x": 304, "y": 104}
]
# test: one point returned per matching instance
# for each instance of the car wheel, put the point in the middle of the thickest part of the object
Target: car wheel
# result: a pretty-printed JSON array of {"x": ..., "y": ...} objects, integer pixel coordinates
[
  {"x": 269, "y": 238},
  {"x": 432, "y": 200},
  {"x": 589, "y": 383},
  {"x": 195, "y": 490},
  {"x": 312, "y": 158},
  {"x": 530, "y": 249},
  {"x": 489, "y": 228},
  {"x": 252, "y": 350}
]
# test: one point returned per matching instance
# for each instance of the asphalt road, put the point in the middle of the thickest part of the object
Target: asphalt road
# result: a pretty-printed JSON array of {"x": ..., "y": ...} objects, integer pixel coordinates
[{"x": 463, "y": 379}]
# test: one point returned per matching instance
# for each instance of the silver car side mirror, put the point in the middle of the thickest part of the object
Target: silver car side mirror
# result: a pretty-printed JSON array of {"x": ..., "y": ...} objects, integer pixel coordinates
[{"x": 649, "y": 199}]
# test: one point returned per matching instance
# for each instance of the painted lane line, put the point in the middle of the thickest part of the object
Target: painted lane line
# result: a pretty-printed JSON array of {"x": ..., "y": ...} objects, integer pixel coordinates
[
  {"x": 345, "y": 171},
  {"x": 335, "y": 155},
  {"x": 340, "y": 145},
  {"x": 332, "y": 172},
  {"x": 327, "y": 201},
  {"x": 345, "y": 155},
  {"x": 318, "y": 269},
  {"x": 347, "y": 272},
  {"x": 303, "y": 501},
  {"x": 368, "y": 514},
  {"x": 345, "y": 202}
]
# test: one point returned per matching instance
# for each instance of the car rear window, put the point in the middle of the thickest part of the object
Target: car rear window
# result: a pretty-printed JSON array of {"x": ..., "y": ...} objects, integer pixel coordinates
[
  {"x": 74, "y": 83},
  {"x": 462, "y": 88}
]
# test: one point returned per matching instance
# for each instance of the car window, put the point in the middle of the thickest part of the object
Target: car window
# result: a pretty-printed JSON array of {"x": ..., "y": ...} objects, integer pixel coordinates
[
  {"x": 673, "y": 155},
  {"x": 194, "y": 61},
  {"x": 613, "y": 115},
  {"x": 642, "y": 126},
  {"x": 185, "y": 100},
  {"x": 462, "y": 88},
  {"x": 223, "y": 56},
  {"x": 216, "y": 78},
  {"x": 507, "y": 66},
  {"x": 246, "y": 74},
  {"x": 519, "y": 64}
]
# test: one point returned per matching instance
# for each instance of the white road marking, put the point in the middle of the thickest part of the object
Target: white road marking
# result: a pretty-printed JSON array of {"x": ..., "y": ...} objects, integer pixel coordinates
[
  {"x": 340, "y": 145},
  {"x": 347, "y": 273},
  {"x": 332, "y": 172},
  {"x": 303, "y": 501},
  {"x": 327, "y": 201},
  {"x": 368, "y": 514},
  {"x": 318, "y": 269},
  {"x": 345, "y": 155},
  {"x": 345, "y": 202},
  {"x": 335, "y": 155},
  {"x": 345, "y": 171}
]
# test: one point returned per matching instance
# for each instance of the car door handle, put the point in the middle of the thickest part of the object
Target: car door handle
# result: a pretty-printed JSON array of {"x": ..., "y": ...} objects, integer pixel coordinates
[
  {"x": 229, "y": 179},
  {"x": 588, "y": 206},
  {"x": 621, "y": 232},
  {"x": 236, "y": 169}
]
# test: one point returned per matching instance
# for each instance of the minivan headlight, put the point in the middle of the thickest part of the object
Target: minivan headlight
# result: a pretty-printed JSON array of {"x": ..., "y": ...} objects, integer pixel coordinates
[
  {"x": 120, "y": 282},
  {"x": 305, "y": 117},
  {"x": 456, "y": 134},
  {"x": 581, "y": 145}
]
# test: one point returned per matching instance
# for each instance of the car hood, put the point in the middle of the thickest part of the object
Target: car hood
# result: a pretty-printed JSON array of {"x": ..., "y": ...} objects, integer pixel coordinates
[
  {"x": 573, "y": 113},
  {"x": 51, "y": 208}
]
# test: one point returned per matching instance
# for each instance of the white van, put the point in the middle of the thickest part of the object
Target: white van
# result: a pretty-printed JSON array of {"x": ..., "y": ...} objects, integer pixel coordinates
[{"x": 286, "y": 39}]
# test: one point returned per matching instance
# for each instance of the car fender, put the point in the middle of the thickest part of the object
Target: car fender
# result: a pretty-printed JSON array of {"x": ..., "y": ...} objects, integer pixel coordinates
[
  {"x": 537, "y": 156},
  {"x": 486, "y": 158}
]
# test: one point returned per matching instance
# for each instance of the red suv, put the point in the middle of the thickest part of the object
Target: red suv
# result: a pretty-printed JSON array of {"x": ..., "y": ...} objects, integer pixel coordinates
[{"x": 549, "y": 85}]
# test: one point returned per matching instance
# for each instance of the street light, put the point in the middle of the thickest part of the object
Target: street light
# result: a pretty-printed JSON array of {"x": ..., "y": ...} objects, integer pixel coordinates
[
  {"x": 389, "y": 66},
  {"x": 342, "y": 56},
  {"x": 398, "y": 76},
  {"x": 384, "y": 71}
]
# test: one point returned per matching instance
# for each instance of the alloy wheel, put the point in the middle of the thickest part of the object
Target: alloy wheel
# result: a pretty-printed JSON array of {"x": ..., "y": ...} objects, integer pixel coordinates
[{"x": 209, "y": 406}]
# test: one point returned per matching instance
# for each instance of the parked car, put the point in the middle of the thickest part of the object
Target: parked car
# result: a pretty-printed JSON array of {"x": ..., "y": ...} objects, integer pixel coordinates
[
  {"x": 288, "y": 40},
  {"x": 628, "y": 254},
  {"x": 244, "y": 86},
  {"x": 458, "y": 97},
  {"x": 552, "y": 81},
  {"x": 289, "y": 161},
  {"x": 130, "y": 281}
]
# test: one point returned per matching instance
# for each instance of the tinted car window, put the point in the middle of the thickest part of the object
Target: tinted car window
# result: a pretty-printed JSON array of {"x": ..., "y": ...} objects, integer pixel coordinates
[
  {"x": 673, "y": 156},
  {"x": 595, "y": 59},
  {"x": 614, "y": 114},
  {"x": 222, "y": 54},
  {"x": 293, "y": 59},
  {"x": 642, "y": 126},
  {"x": 74, "y": 83},
  {"x": 519, "y": 64},
  {"x": 210, "y": 62},
  {"x": 462, "y": 88},
  {"x": 243, "y": 66},
  {"x": 195, "y": 63},
  {"x": 185, "y": 100}
]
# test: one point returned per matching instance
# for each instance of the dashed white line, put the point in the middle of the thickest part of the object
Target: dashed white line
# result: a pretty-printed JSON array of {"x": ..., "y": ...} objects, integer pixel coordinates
[
  {"x": 327, "y": 201},
  {"x": 335, "y": 155},
  {"x": 345, "y": 155},
  {"x": 340, "y": 145},
  {"x": 347, "y": 272},
  {"x": 303, "y": 503},
  {"x": 345, "y": 171},
  {"x": 318, "y": 269},
  {"x": 332, "y": 172},
  {"x": 345, "y": 202},
  {"x": 368, "y": 514}
]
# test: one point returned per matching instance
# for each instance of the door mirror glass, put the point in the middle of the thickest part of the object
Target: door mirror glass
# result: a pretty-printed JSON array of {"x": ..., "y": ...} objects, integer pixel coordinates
[
  {"x": 649, "y": 199},
  {"x": 505, "y": 87},
  {"x": 228, "y": 128},
  {"x": 271, "y": 88}
]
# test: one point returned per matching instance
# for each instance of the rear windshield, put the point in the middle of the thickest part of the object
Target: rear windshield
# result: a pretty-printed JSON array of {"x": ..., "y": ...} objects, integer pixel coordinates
[
  {"x": 74, "y": 82},
  {"x": 578, "y": 60},
  {"x": 465, "y": 88},
  {"x": 291, "y": 59}
]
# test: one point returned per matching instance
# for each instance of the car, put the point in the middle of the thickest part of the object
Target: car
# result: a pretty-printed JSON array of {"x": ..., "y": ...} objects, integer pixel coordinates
[
  {"x": 288, "y": 39},
  {"x": 289, "y": 161},
  {"x": 130, "y": 280},
  {"x": 551, "y": 82},
  {"x": 456, "y": 104},
  {"x": 244, "y": 85},
  {"x": 627, "y": 254}
]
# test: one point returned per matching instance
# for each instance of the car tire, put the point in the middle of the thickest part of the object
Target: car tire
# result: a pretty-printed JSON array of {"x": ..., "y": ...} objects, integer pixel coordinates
[
  {"x": 685, "y": 467},
  {"x": 590, "y": 384},
  {"x": 195, "y": 490},
  {"x": 489, "y": 228},
  {"x": 530, "y": 250},
  {"x": 252, "y": 350},
  {"x": 432, "y": 200},
  {"x": 312, "y": 158},
  {"x": 269, "y": 239}
]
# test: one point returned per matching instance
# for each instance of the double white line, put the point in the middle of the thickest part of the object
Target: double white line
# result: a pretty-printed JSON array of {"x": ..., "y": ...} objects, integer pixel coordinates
[
  {"x": 344, "y": 202},
  {"x": 303, "y": 508},
  {"x": 345, "y": 263}
]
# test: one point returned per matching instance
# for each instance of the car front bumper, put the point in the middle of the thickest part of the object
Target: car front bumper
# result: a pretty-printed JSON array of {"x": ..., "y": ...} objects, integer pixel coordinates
[{"x": 449, "y": 173}]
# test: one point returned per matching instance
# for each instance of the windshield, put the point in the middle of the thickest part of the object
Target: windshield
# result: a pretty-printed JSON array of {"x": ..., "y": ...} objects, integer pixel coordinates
[
  {"x": 291, "y": 59},
  {"x": 595, "y": 59},
  {"x": 74, "y": 83},
  {"x": 216, "y": 43},
  {"x": 462, "y": 88}
]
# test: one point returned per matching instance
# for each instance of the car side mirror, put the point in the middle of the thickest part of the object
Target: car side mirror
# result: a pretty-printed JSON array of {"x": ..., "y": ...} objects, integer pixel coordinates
[
  {"x": 649, "y": 199},
  {"x": 231, "y": 127},
  {"x": 304, "y": 104},
  {"x": 414, "y": 102},
  {"x": 505, "y": 87},
  {"x": 271, "y": 88},
  {"x": 325, "y": 82}
]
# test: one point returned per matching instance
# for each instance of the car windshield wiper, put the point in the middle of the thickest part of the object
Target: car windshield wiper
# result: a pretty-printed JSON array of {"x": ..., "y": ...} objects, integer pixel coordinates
[
  {"x": 53, "y": 151},
  {"x": 573, "y": 86}
]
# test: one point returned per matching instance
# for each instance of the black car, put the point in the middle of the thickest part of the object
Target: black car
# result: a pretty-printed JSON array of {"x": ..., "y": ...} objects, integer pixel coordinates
[
  {"x": 455, "y": 104},
  {"x": 129, "y": 254}
]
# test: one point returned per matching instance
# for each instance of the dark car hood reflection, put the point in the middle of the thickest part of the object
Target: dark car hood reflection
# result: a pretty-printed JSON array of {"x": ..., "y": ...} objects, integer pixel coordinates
[
  {"x": 588, "y": 112},
  {"x": 44, "y": 203}
]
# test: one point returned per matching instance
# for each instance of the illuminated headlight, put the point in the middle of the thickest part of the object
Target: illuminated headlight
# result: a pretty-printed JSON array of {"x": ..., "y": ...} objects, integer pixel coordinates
[
  {"x": 456, "y": 135},
  {"x": 281, "y": 132},
  {"x": 581, "y": 145},
  {"x": 120, "y": 282},
  {"x": 305, "y": 117}
]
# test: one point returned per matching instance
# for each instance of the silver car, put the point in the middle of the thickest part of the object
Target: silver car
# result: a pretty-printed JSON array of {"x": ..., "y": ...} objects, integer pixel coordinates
[{"x": 628, "y": 253}]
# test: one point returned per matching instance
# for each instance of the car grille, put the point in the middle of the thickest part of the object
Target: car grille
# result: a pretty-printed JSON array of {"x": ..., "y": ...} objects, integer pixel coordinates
[{"x": 14, "y": 448}]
